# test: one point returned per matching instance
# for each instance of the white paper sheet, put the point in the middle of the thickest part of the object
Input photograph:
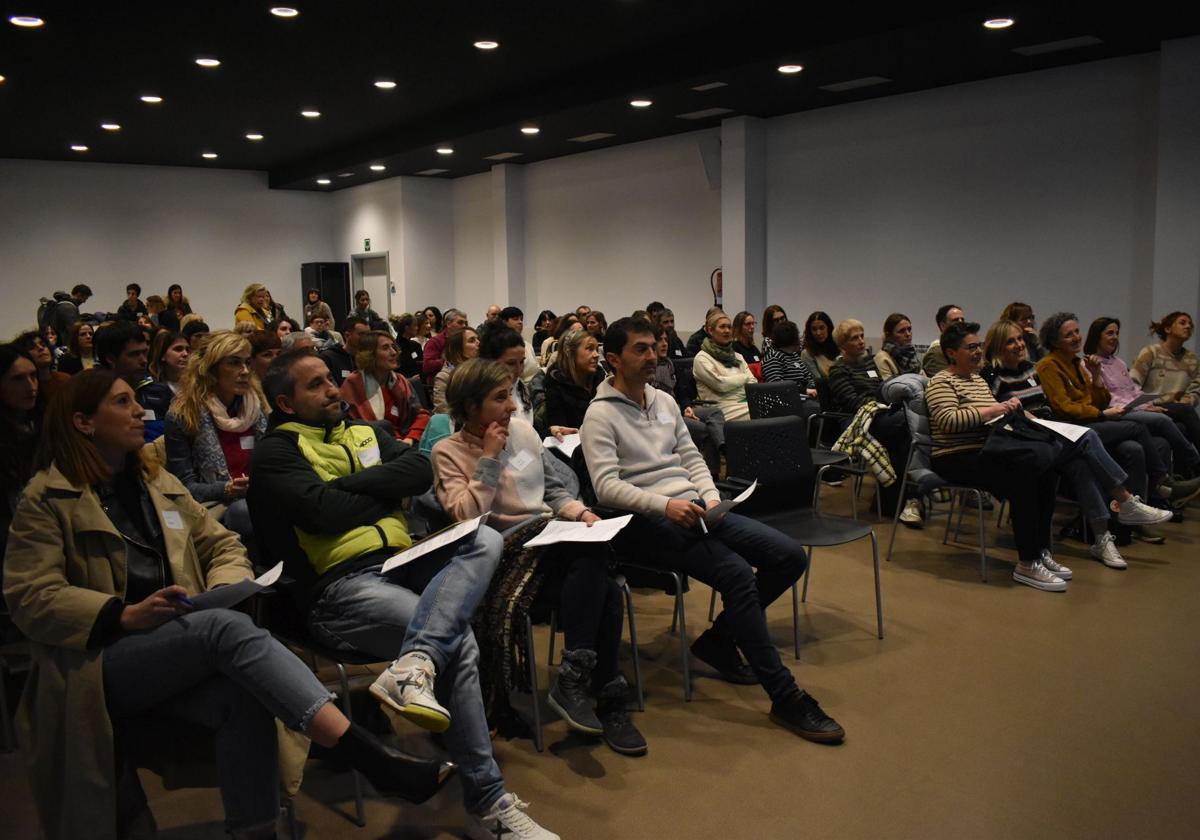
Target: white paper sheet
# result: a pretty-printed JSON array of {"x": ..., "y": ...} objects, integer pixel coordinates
[
  {"x": 1142, "y": 400},
  {"x": 1068, "y": 430},
  {"x": 559, "y": 531},
  {"x": 713, "y": 514},
  {"x": 434, "y": 542},
  {"x": 224, "y": 597},
  {"x": 567, "y": 445}
]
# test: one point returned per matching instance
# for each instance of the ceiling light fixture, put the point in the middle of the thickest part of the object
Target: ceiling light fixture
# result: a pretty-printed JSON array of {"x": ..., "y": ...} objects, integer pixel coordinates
[
  {"x": 110, "y": 126},
  {"x": 208, "y": 62},
  {"x": 1, "y": 78},
  {"x": 486, "y": 45},
  {"x": 26, "y": 21},
  {"x": 311, "y": 114},
  {"x": 530, "y": 129},
  {"x": 79, "y": 147},
  {"x": 445, "y": 150},
  {"x": 385, "y": 84},
  {"x": 789, "y": 69},
  {"x": 254, "y": 136},
  {"x": 640, "y": 103},
  {"x": 150, "y": 99},
  {"x": 377, "y": 167},
  {"x": 998, "y": 23},
  {"x": 209, "y": 155},
  {"x": 324, "y": 181},
  {"x": 284, "y": 11}
]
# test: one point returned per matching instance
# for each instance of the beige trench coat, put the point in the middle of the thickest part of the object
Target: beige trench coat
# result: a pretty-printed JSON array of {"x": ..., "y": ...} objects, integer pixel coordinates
[{"x": 65, "y": 560}]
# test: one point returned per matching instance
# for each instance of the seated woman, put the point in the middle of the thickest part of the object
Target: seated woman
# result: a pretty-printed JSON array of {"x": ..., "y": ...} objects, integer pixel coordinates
[
  {"x": 460, "y": 346},
  {"x": 783, "y": 361},
  {"x": 407, "y": 345},
  {"x": 50, "y": 381},
  {"x": 376, "y": 392},
  {"x": 264, "y": 347},
  {"x": 898, "y": 355},
  {"x": 721, "y": 374},
  {"x": 1104, "y": 337},
  {"x": 169, "y": 356},
  {"x": 572, "y": 382},
  {"x": 772, "y": 316},
  {"x": 1094, "y": 477},
  {"x": 743, "y": 343},
  {"x": 105, "y": 554},
  {"x": 1171, "y": 370},
  {"x": 81, "y": 351},
  {"x": 820, "y": 350},
  {"x": 705, "y": 423},
  {"x": 253, "y": 306},
  {"x": 214, "y": 422},
  {"x": 542, "y": 328},
  {"x": 1080, "y": 397},
  {"x": 177, "y": 307},
  {"x": 20, "y": 427},
  {"x": 506, "y": 346},
  {"x": 596, "y": 324},
  {"x": 496, "y": 464},
  {"x": 313, "y": 306},
  {"x": 1021, "y": 314},
  {"x": 563, "y": 325}
]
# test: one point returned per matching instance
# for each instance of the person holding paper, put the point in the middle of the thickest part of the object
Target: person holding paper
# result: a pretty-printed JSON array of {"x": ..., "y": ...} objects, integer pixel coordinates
[
  {"x": 326, "y": 498},
  {"x": 495, "y": 463},
  {"x": 105, "y": 553},
  {"x": 642, "y": 460}
]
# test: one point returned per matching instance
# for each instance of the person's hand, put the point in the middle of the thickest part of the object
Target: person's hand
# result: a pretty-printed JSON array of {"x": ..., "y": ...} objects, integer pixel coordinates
[
  {"x": 561, "y": 432},
  {"x": 689, "y": 412},
  {"x": 1031, "y": 331},
  {"x": 236, "y": 488},
  {"x": 1011, "y": 404},
  {"x": 494, "y": 439},
  {"x": 683, "y": 513},
  {"x": 588, "y": 518},
  {"x": 712, "y": 504},
  {"x": 1112, "y": 412},
  {"x": 405, "y": 441},
  {"x": 812, "y": 392},
  {"x": 155, "y": 609},
  {"x": 1093, "y": 364},
  {"x": 1157, "y": 409}
]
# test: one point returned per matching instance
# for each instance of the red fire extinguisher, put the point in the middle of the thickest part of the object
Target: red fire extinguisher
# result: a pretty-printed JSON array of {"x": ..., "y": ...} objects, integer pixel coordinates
[{"x": 714, "y": 283}]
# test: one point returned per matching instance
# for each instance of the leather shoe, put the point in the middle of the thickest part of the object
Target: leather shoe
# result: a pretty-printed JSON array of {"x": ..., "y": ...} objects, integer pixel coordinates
[{"x": 721, "y": 654}]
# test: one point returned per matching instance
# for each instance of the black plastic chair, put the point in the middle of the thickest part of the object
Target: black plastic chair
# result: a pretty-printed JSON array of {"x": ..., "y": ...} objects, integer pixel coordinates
[
  {"x": 783, "y": 399},
  {"x": 775, "y": 452}
]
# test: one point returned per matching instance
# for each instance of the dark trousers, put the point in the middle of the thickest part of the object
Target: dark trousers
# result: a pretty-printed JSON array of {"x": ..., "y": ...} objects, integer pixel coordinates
[
  {"x": 725, "y": 559},
  {"x": 1186, "y": 417},
  {"x": 590, "y": 608},
  {"x": 890, "y": 428}
]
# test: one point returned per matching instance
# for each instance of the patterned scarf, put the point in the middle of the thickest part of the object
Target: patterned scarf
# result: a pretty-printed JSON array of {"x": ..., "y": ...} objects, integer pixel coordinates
[
  {"x": 906, "y": 357},
  {"x": 723, "y": 354}
]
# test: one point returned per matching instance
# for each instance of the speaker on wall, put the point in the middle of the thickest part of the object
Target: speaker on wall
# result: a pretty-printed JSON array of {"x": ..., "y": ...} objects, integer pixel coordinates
[{"x": 332, "y": 280}]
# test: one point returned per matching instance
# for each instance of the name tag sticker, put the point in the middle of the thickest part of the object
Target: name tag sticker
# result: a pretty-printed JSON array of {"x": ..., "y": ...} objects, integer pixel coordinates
[
  {"x": 666, "y": 419},
  {"x": 345, "y": 374},
  {"x": 149, "y": 415},
  {"x": 520, "y": 461},
  {"x": 173, "y": 520},
  {"x": 416, "y": 355},
  {"x": 395, "y": 411},
  {"x": 678, "y": 352},
  {"x": 1032, "y": 382},
  {"x": 872, "y": 374},
  {"x": 368, "y": 456},
  {"x": 247, "y": 441}
]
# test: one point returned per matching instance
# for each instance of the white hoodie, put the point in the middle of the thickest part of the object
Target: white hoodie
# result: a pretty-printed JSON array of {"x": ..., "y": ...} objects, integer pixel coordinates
[{"x": 641, "y": 458}]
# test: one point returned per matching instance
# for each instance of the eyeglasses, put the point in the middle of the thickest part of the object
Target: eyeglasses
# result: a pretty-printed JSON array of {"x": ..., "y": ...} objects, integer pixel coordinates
[{"x": 972, "y": 347}]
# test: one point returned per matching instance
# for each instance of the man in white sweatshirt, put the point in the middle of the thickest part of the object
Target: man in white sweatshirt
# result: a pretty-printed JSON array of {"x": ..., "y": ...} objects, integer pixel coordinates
[{"x": 641, "y": 459}]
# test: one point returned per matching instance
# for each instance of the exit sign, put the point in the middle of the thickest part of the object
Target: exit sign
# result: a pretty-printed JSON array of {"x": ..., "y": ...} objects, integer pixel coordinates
[{"x": 366, "y": 244}]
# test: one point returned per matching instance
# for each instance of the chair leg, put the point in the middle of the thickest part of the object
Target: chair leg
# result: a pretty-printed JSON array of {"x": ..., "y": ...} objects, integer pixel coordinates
[
  {"x": 531, "y": 655},
  {"x": 6, "y": 724},
  {"x": 712, "y": 606},
  {"x": 878, "y": 593},
  {"x": 895, "y": 527},
  {"x": 796, "y": 621},
  {"x": 962, "y": 511},
  {"x": 359, "y": 805},
  {"x": 553, "y": 633},
  {"x": 807, "y": 575},
  {"x": 633, "y": 644},
  {"x": 289, "y": 810},
  {"x": 982, "y": 540},
  {"x": 684, "y": 653}
]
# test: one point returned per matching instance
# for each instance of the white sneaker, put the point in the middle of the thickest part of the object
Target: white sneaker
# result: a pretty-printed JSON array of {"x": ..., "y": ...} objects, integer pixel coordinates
[
  {"x": 1053, "y": 566},
  {"x": 1105, "y": 550},
  {"x": 1133, "y": 511},
  {"x": 911, "y": 515},
  {"x": 1039, "y": 577},
  {"x": 506, "y": 819},
  {"x": 407, "y": 687}
]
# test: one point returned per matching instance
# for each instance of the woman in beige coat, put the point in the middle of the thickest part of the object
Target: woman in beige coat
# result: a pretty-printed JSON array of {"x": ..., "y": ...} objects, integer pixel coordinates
[
  {"x": 104, "y": 556},
  {"x": 721, "y": 374}
]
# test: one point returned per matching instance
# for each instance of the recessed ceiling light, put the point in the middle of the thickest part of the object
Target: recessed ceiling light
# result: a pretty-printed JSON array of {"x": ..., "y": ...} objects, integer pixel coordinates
[
  {"x": 445, "y": 150},
  {"x": 324, "y": 181},
  {"x": 486, "y": 45},
  {"x": 209, "y": 155},
  {"x": 26, "y": 21},
  {"x": 284, "y": 11},
  {"x": 110, "y": 126},
  {"x": 208, "y": 62},
  {"x": 640, "y": 103},
  {"x": 998, "y": 23},
  {"x": 151, "y": 99},
  {"x": 790, "y": 68},
  {"x": 530, "y": 129},
  {"x": 345, "y": 174},
  {"x": 311, "y": 114},
  {"x": 79, "y": 147},
  {"x": 254, "y": 137},
  {"x": 377, "y": 167},
  {"x": 385, "y": 84},
  {"x": 1, "y": 78}
]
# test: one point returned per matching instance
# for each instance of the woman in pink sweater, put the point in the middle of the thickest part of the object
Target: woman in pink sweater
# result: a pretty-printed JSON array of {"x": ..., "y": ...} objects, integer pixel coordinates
[{"x": 496, "y": 464}]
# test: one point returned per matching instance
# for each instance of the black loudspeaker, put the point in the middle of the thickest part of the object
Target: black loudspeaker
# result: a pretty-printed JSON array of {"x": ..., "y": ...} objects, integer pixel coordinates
[{"x": 332, "y": 280}]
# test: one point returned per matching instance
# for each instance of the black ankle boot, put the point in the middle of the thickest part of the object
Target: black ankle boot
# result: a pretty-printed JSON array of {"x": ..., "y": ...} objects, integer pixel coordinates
[
  {"x": 390, "y": 771},
  {"x": 569, "y": 695}
]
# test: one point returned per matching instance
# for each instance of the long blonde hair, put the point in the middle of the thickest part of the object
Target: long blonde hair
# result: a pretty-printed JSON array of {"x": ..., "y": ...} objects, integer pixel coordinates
[
  {"x": 252, "y": 291},
  {"x": 199, "y": 380}
]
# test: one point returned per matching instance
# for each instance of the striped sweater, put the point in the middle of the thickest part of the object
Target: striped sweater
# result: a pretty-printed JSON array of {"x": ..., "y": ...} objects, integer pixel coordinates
[
  {"x": 854, "y": 384},
  {"x": 954, "y": 418},
  {"x": 784, "y": 366}
]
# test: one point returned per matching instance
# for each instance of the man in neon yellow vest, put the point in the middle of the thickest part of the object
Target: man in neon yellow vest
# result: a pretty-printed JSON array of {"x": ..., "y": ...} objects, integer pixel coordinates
[{"x": 326, "y": 498}]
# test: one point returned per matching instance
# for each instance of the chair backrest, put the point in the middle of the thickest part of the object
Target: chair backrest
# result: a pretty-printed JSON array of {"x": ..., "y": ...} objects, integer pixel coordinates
[
  {"x": 420, "y": 391},
  {"x": 774, "y": 451},
  {"x": 774, "y": 399},
  {"x": 683, "y": 370}
]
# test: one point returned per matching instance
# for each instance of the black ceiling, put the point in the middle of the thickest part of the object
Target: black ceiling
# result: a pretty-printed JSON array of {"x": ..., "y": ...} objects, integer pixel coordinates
[{"x": 569, "y": 67}]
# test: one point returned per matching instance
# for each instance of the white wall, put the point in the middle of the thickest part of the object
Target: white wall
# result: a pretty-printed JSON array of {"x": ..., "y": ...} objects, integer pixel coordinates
[
  {"x": 473, "y": 246},
  {"x": 1037, "y": 187},
  {"x": 212, "y": 231}
]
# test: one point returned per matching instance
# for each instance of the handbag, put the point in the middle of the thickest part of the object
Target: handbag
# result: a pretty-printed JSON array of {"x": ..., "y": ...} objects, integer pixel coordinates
[{"x": 1022, "y": 445}]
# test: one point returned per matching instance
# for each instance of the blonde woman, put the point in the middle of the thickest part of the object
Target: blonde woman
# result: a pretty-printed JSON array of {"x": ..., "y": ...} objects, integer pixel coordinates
[
  {"x": 721, "y": 374},
  {"x": 253, "y": 307},
  {"x": 212, "y": 427},
  {"x": 461, "y": 346}
]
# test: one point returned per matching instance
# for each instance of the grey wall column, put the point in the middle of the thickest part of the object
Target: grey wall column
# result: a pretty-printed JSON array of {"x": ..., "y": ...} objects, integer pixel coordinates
[
  {"x": 744, "y": 213},
  {"x": 508, "y": 235}
]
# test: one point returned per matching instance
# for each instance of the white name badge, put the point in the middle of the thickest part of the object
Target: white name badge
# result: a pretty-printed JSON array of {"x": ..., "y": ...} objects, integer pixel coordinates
[
  {"x": 1032, "y": 382},
  {"x": 520, "y": 461},
  {"x": 395, "y": 411},
  {"x": 416, "y": 355},
  {"x": 247, "y": 441},
  {"x": 678, "y": 352},
  {"x": 666, "y": 419},
  {"x": 173, "y": 520},
  {"x": 369, "y": 456},
  {"x": 345, "y": 374},
  {"x": 872, "y": 374},
  {"x": 149, "y": 415}
]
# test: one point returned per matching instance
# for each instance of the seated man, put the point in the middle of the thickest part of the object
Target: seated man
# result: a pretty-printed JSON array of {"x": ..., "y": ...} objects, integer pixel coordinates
[
  {"x": 934, "y": 359},
  {"x": 122, "y": 348},
  {"x": 328, "y": 492},
  {"x": 642, "y": 459}
]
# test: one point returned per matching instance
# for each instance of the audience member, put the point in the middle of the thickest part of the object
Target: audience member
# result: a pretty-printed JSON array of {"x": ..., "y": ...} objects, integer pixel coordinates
[
  {"x": 313, "y": 305},
  {"x": 595, "y": 323},
  {"x": 298, "y": 340},
  {"x": 196, "y": 331},
  {"x": 264, "y": 347},
  {"x": 509, "y": 348},
  {"x": 897, "y": 354},
  {"x": 721, "y": 374},
  {"x": 820, "y": 350},
  {"x": 122, "y": 348},
  {"x": 652, "y": 309},
  {"x": 542, "y": 329},
  {"x": 116, "y": 637},
  {"x": 934, "y": 359},
  {"x": 642, "y": 460},
  {"x": 407, "y": 346},
  {"x": 433, "y": 359},
  {"x": 253, "y": 306},
  {"x": 334, "y": 521},
  {"x": 376, "y": 392},
  {"x": 81, "y": 351},
  {"x": 169, "y": 354},
  {"x": 1021, "y": 314},
  {"x": 772, "y": 315},
  {"x": 783, "y": 361},
  {"x": 362, "y": 308},
  {"x": 491, "y": 317},
  {"x": 572, "y": 382},
  {"x": 177, "y": 307},
  {"x": 436, "y": 321},
  {"x": 743, "y": 342},
  {"x": 461, "y": 346},
  {"x": 20, "y": 426},
  {"x": 421, "y": 325},
  {"x": 706, "y": 424},
  {"x": 284, "y": 326},
  {"x": 245, "y": 328},
  {"x": 50, "y": 339},
  {"x": 155, "y": 306},
  {"x": 1168, "y": 368},
  {"x": 339, "y": 355},
  {"x": 66, "y": 310},
  {"x": 582, "y": 311},
  {"x": 322, "y": 333},
  {"x": 565, "y": 324},
  {"x": 274, "y": 309},
  {"x": 675, "y": 347},
  {"x": 132, "y": 307},
  {"x": 696, "y": 339},
  {"x": 50, "y": 381}
]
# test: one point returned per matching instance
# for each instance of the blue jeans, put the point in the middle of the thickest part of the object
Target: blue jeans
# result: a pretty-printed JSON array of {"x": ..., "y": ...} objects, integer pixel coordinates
[
  {"x": 1092, "y": 473},
  {"x": 384, "y": 616},
  {"x": 1162, "y": 426},
  {"x": 725, "y": 559},
  {"x": 218, "y": 669}
]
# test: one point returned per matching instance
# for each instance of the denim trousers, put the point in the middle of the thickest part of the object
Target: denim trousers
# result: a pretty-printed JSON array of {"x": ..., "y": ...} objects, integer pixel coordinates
[
  {"x": 1132, "y": 446},
  {"x": 216, "y": 668},
  {"x": 725, "y": 559},
  {"x": 1163, "y": 426},
  {"x": 427, "y": 606},
  {"x": 1092, "y": 474}
]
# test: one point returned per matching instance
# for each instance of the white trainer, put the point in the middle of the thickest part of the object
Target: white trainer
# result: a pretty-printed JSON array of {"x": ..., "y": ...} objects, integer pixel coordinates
[
  {"x": 1105, "y": 550},
  {"x": 506, "y": 820},
  {"x": 1133, "y": 511},
  {"x": 911, "y": 515},
  {"x": 1039, "y": 577},
  {"x": 1053, "y": 566},
  {"x": 407, "y": 687}
]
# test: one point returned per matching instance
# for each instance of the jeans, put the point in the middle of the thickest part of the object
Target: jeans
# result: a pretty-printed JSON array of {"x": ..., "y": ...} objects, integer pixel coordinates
[
  {"x": 217, "y": 669},
  {"x": 1163, "y": 426},
  {"x": 383, "y": 615},
  {"x": 1092, "y": 473},
  {"x": 1131, "y": 446},
  {"x": 724, "y": 559}
]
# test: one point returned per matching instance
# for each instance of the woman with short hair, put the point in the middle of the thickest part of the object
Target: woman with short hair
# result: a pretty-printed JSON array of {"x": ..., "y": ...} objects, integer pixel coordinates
[
  {"x": 897, "y": 354},
  {"x": 376, "y": 392},
  {"x": 460, "y": 346},
  {"x": 253, "y": 306},
  {"x": 313, "y": 306},
  {"x": 264, "y": 347},
  {"x": 721, "y": 374},
  {"x": 783, "y": 362}
]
